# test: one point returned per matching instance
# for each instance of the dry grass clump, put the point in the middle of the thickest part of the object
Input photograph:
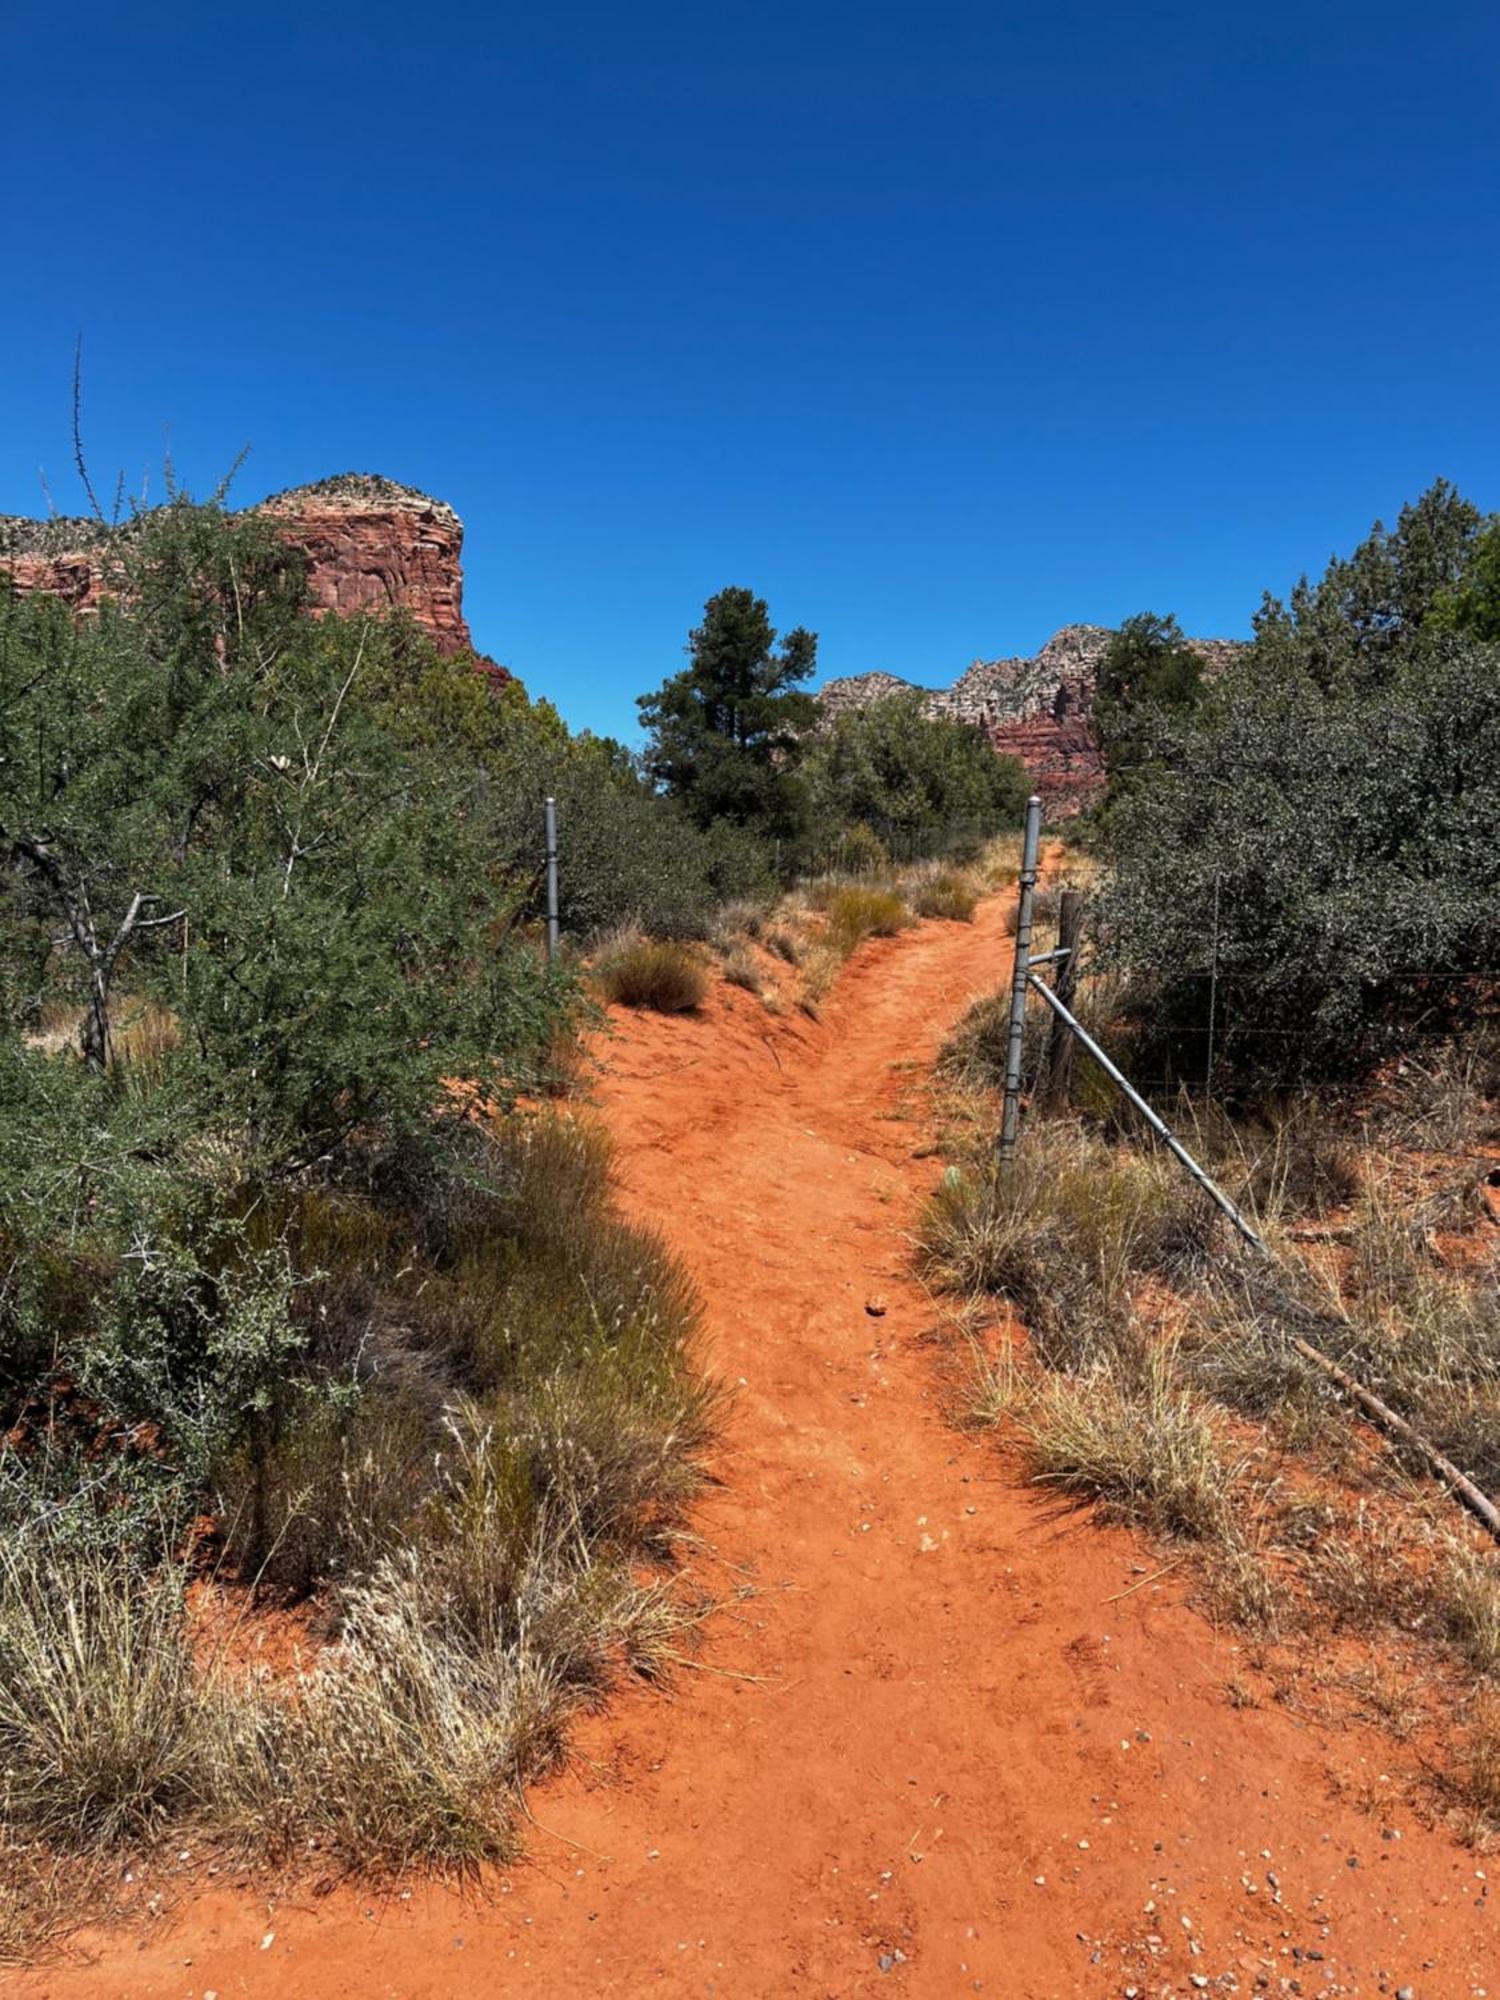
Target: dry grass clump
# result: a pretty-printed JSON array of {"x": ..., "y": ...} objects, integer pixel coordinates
[
  {"x": 740, "y": 969},
  {"x": 855, "y": 914},
  {"x": 1298, "y": 1163},
  {"x": 1141, "y": 1446},
  {"x": 1468, "y": 1593},
  {"x": 949, "y": 896},
  {"x": 97, "y": 1694},
  {"x": 784, "y": 945},
  {"x": 1472, "y": 1782},
  {"x": 653, "y": 972},
  {"x": 1067, "y": 1211},
  {"x": 973, "y": 1056},
  {"x": 1448, "y": 1103}
]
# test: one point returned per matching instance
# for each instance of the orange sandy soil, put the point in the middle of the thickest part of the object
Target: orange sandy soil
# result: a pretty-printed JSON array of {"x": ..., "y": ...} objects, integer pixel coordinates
[{"x": 935, "y": 1752}]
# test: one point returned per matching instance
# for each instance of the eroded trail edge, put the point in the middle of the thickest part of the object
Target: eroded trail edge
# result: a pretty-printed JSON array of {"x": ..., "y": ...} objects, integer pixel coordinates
[{"x": 932, "y": 1750}]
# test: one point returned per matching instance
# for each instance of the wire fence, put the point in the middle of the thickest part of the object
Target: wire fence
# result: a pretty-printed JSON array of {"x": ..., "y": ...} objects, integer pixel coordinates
[{"x": 875, "y": 846}]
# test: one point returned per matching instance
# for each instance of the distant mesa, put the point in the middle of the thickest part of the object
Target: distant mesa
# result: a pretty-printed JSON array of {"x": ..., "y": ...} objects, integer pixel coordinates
[
  {"x": 371, "y": 544},
  {"x": 1039, "y": 710}
]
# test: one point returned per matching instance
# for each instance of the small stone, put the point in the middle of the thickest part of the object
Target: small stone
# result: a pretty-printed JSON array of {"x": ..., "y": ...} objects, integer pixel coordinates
[
  {"x": 876, "y": 1307},
  {"x": 268, "y": 1940},
  {"x": 886, "y": 1962},
  {"x": 1406, "y": 1993}
]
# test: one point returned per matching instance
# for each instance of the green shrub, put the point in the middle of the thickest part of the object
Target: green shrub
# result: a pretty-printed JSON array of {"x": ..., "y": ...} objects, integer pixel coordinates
[
  {"x": 891, "y": 766},
  {"x": 1301, "y": 852},
  {"x": 655, "y": 973}
]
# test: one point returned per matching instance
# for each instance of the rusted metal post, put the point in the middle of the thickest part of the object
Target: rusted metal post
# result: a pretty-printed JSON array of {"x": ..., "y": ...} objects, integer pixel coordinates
[
  {"x": 553, "y": 924},
  {"x": 1010, "y": 1116},
  {"x": 1060, "y": 1039}
]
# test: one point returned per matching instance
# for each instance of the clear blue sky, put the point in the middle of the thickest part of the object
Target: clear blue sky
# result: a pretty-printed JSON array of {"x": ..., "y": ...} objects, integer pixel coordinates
[{"x": 939, "y": 325}]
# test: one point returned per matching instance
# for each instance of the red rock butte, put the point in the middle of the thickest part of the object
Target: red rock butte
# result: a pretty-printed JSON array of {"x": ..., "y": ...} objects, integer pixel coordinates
[
  {"x": 371, "y": 544},
  {"x": 1038, "y": 710}
]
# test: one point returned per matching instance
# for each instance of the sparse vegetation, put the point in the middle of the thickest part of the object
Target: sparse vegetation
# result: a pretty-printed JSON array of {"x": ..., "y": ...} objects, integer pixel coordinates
[
  {"x": 1156, "y": 1376},
  {"x": 947, "y": 895},
  {"x": 855, "y": 914},
  {"x": 655, "y": 973}
]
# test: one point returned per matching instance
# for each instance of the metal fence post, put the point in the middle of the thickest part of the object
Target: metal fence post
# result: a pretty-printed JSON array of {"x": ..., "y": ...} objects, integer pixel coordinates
[
  {"x": 553, "y": 926},
  {"x": 1010, "y": 1115}
]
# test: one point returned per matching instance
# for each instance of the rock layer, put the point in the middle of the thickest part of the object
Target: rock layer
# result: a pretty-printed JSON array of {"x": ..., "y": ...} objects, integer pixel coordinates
[
  {"x": 371, "y": 545},
  {"x": 1038, "y": 709}
]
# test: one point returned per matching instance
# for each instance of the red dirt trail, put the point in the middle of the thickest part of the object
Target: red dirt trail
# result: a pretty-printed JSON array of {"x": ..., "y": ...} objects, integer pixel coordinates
[{"x": 955, "y": 1760}]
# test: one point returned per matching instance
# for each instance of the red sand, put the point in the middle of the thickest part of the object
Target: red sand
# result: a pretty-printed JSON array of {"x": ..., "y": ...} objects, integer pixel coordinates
[{"x": 956, "y": 1759}]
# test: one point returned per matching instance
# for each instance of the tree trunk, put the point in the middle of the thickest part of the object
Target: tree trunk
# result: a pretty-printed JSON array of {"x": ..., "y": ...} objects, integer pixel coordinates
[{"x": 95, "y": 1036}]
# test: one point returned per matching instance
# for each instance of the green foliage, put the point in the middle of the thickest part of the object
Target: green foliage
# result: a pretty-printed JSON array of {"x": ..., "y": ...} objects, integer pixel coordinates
[
  {"x": 725, "y": 733},
  {"x": 1148, "y": 674},
  {"x": 1362, "y": 619},
  {"x": 627, "y": 855},
  {"x": 1312, "y": 850},
  {"x": 1471, "y": 603},
  {"x": 900, "y": 772},
  {"x": 207, "y": 793}
]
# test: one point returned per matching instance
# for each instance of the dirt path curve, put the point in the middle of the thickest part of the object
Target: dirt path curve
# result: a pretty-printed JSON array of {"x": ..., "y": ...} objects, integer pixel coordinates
[{"x": 960, "y": 1760}]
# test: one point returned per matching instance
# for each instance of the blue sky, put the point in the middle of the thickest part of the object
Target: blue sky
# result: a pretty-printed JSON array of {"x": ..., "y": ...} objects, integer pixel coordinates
[{"x": 940, "y": 326}]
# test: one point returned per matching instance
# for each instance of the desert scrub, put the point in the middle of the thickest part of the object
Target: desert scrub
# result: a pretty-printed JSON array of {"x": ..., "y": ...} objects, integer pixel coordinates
[
  {"x": 474, "y": 1452},
  {"x": 653, "y": 972},
  {"x": 1137, "y": 1443},
  {"x": 1068, "y": 1210},
  {"x": 855, "y": 914},
  {"x": 740, "y": 969},
  {"x": 947, "y": 895}
]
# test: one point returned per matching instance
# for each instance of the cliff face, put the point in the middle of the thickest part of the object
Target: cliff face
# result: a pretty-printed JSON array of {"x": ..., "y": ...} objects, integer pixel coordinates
[
  {"x": 371, "y": 545},
  {"x": 1038, "y": 710}
]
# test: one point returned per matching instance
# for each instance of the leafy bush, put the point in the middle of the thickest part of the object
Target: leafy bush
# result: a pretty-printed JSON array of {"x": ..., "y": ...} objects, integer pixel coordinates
[
  {"x": 901, "y": 772},
  {"x": 656, "y": 973},
  {"x": 1310, "y": 854}
]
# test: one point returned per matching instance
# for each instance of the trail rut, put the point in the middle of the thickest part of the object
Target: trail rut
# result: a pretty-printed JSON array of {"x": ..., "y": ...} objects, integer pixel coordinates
[{"x": 933, "y": 1750}]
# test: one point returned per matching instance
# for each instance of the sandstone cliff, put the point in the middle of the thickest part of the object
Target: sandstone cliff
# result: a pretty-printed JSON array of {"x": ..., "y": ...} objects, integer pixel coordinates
[
  {"x": 1038, "y": 710},
  {"x": 371, "y": 544}
]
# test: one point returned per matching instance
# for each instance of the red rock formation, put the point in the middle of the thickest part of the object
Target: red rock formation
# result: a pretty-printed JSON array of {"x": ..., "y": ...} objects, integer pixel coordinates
[
  {"x": 1038, "y": 710},
  {"x": 371, "y": 544}
]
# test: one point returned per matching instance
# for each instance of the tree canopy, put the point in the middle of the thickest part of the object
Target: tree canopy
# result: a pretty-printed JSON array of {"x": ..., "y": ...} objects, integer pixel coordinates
[
  {"x": 1312, "y": 855},
  {"x": 725, "y": 733},
  {"x": 899, "y": 771}
]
